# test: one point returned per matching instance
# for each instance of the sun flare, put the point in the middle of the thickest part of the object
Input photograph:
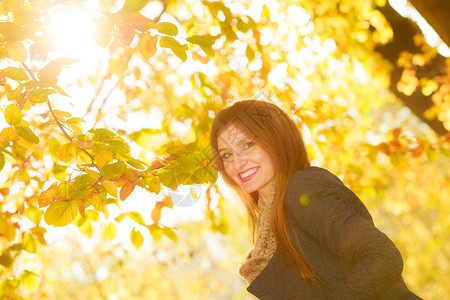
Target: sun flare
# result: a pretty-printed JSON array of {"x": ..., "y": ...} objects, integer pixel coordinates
[{"x": 72, "y": 31}]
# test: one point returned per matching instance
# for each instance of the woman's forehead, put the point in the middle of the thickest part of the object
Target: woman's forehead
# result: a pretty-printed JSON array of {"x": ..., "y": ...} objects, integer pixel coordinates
[{"x": 234, "y": 134}]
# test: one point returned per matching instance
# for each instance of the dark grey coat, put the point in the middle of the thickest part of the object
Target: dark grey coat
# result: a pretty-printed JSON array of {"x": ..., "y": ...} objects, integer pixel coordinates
[{"x": 338, "y": 237}]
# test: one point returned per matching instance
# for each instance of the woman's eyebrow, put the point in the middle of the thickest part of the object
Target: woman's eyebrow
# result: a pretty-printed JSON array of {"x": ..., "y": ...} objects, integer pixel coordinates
[{"x": 239, "y": 142}]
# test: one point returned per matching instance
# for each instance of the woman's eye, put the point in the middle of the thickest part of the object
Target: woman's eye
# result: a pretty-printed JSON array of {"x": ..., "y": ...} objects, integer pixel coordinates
[
  {"x": 225, "y": 156},
  {"x": 248, "y": 145}
]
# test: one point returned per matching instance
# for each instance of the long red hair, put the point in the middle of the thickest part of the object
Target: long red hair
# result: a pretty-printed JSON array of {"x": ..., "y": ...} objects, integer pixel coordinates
[{"x": 271, "y": 128}]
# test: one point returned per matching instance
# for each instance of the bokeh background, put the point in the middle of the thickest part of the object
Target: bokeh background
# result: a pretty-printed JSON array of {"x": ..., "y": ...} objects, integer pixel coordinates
[{"x": 106, "y": 111}]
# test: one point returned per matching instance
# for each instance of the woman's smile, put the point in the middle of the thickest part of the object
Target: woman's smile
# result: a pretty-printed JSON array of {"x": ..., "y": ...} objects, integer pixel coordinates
[{"x": 248, "y": 174}]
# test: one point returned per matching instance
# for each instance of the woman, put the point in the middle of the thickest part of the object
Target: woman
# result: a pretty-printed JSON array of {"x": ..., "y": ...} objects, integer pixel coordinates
[{"x": 314, "y": 238}]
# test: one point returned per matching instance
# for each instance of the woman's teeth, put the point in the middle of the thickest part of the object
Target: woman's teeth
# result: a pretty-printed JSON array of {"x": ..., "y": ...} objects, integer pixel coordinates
[{"x": 248, "y": 173}]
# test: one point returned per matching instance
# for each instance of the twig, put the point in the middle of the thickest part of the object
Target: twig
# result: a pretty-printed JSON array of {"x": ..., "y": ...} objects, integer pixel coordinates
[
  {"x": 57, "y": 121},
  {"x": 88, "y": 110},
  {"x": 156, "y": 20}
]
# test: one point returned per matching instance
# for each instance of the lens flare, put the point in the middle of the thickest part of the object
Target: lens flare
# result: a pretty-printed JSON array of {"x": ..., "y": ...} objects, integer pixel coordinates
[{"x": 72, "y": 30}]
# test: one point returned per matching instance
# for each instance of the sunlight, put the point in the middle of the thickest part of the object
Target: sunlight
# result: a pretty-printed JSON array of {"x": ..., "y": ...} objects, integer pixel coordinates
[{"x": 72, "y": 30}]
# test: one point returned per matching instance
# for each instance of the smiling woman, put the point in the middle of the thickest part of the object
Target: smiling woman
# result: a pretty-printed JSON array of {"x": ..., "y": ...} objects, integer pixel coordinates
[
  {"x": 306, "y": 217},
  {"x": 72, "y": 30},
  {"x": 245, "y": 161}
]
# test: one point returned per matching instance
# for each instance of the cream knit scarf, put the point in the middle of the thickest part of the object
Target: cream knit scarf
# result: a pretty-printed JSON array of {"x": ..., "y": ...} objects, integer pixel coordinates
[{"x": 264, "y": 247}]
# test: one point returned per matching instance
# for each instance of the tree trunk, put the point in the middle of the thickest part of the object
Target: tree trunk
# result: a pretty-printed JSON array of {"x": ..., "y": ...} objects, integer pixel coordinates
[
  {"x": 404, "y": 30},
  {"x": 437, "y": 15}
]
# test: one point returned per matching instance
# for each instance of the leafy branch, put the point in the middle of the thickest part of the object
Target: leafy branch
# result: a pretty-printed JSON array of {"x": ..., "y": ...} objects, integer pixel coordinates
[{"x": 57, "y": 121}]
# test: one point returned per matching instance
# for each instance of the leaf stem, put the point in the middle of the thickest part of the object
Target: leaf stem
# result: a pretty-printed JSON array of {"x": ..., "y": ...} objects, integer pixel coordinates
[{"x": 58, "y": 122}]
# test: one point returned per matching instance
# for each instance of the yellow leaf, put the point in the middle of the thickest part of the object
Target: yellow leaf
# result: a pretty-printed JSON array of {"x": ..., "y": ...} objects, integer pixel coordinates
[
  {"x": 147, "y": 45},
  {"x": 15, "y": 73},
  {"x": 40, "y": 95},
  {"x": 136, "y": 238},
  {"x": 29, "y": 244},
  {"x": 13, "y": 114},
  {"x": 30, "y": 280},
  {"x": 265, "y": 13},
  {"x": 110, "y": 187},
  {"x": 125, "y": 35},
  {"x": 86, "y": 144},
  {"x": 34, "y": 214},
  {"x": 9, "y": 134},
  {"x": 98, "y": 200},
  {"x": 67, "y": 152},
  {"x": 46, "y": 197},
  {"x": 167, "y": 28},
  {"x": 77, "y": 128},
  {"x": 17, "y": 52},
  {"x": 61, "y": 213},
  {"x": 60, "y": 115},
  {"x": 103, "y": 158},
  {"x": 111, "y": 231},
  {"x": 133, "y": 6},
  {"x": 156, "y": 212}
]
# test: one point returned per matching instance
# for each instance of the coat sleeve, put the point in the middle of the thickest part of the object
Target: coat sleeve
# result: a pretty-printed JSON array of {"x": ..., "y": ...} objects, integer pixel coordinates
[{"x": 325, "y": 209}]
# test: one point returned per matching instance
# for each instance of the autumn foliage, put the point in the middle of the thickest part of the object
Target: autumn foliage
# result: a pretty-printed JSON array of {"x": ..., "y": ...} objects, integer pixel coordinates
[{"x": 72, "y": 146}]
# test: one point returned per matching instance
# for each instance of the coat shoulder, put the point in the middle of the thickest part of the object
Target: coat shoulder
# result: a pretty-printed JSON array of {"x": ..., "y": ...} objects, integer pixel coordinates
[{"x": 313, "y": 179}]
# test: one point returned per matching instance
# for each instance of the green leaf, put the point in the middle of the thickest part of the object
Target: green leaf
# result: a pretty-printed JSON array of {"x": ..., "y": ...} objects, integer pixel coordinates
[
  {"x": 204, "y": 41},
  {"x": 27, "y": 134},
  {"x": 169, "y": 178},
  {"x": 2, "y": 161},
  {"x": 40, "y": 95},
  {"x": 137, "y": 164},
  {"x": 211, "y": 175},
  {"x": 250, "y": 53},
  {"x": 102, "y": 132},
  {"x": 13, "y": 114},
  {"x": 30, "y": 280},
  {"x": 177, "y": 49},
  {"x": 15, "y": 73},
  {"x": 7, "y": 152},
  {"x": 151, "y": 184},
  {"x": 113, "y": 170},
  {"x": 119, "y": 147},
  {"x": 167, "y": 28},
  {"x": 172, "y": 147},
  {"x": 83, "y": 182},
  {"x": 133, "y": 6},
  {"x": 136, "y": 238},
  {"x": 61, "y": 213},
  {"x": 242, "y": 26}
]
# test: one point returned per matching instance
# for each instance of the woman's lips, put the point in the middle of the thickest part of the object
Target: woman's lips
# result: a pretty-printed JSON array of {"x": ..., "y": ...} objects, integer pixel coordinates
[{"x": 250, "y": 176}]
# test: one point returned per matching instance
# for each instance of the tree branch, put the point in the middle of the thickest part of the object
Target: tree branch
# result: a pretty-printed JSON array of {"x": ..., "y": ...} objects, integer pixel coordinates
[{"x": 57, "y": 121}]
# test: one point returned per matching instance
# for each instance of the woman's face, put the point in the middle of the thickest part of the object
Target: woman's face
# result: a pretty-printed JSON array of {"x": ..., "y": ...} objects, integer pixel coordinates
[{"x": 247, "y": 163}]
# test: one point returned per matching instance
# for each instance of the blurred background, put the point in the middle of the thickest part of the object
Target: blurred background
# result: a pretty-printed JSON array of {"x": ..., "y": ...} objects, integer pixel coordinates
[{"x": 107, "y": 189}]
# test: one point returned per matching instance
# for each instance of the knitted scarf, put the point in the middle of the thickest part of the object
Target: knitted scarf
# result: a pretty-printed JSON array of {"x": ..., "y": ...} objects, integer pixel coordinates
[{"x": 264, "y": 248}]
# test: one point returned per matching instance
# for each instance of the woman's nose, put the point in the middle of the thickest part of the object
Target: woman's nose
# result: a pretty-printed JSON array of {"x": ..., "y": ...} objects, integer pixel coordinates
[{"x": 239, "y": 161}]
